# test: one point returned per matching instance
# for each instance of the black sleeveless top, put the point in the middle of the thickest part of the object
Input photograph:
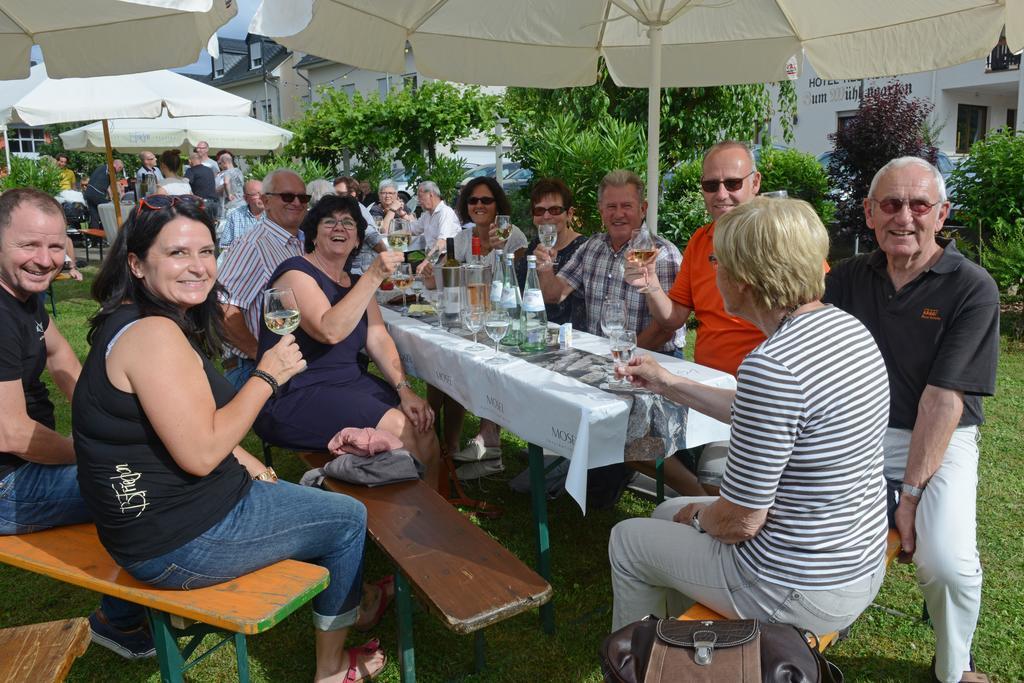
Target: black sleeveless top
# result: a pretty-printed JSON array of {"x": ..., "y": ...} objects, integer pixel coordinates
[{"x": 143, "y": 503}]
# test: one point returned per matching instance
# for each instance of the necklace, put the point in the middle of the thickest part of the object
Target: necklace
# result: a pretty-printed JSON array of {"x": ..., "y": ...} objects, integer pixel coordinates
[{"x": 322, "y": 267}]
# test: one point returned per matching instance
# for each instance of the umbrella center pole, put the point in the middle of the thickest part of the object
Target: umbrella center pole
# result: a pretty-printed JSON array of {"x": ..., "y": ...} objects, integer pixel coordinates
[
  {"x": 654, "y": 129},
  {"x": 114, "y": 194}
]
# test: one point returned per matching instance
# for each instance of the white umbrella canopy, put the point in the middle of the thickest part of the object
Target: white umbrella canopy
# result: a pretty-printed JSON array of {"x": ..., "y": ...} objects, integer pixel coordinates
[
  {"x": 142, "y": 95},
  {"x": 58, "y": 100},
  {"x": 240, "y": 134},
  {"x": 103, "y": 37},
  {"x": 645, "y": 43}
]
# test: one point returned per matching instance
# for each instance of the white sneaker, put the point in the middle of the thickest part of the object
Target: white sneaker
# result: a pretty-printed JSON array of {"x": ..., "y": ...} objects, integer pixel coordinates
[
  {"x": 477, "y": 470},
  {"x": 476, "y": 451}
]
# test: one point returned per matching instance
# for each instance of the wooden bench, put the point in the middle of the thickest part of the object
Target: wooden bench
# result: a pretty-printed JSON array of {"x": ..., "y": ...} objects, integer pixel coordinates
[
  {"x": 250, "y": 604},
  {"x": 460, "y": 574},
  {"x": 42, "y": 653},
  {"x": 699, "y": 611},
  {"x": 94, "y": 236}
]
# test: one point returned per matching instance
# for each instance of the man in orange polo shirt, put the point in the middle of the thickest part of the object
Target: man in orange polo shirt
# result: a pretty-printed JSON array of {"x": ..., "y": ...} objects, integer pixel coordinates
[{"x": 729, "y": 178}]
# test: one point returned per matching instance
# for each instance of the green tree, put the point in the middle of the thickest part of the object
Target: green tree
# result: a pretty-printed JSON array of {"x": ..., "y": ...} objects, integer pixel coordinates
[
  {"x": 407, "y": 125},
  {"x": 988, "y": 185},
  {"x": 84, "y": 162},
  {"x": 888, "y": 124}
]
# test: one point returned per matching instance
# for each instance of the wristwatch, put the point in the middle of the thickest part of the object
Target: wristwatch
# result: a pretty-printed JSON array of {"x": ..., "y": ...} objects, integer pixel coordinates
[
  {"x": 266, "y": 475},
  {"x": 912, "y": 490},
  {"x": 695, "y": 522}
]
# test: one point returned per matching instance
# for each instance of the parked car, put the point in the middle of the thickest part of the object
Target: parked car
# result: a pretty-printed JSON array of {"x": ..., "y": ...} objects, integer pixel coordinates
[
  {"x": 517, "y": 180},
  {"x": 488, "y": 170}
]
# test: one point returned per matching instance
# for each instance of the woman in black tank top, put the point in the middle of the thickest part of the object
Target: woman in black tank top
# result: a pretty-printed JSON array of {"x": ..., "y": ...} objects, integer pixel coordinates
[{"x": 177, "y": 502}]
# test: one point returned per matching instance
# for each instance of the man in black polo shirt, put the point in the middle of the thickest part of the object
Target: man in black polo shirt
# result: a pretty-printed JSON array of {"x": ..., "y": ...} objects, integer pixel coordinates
[
  {"x": 38, "y": 476},
  {"x": 935, "y": 316}
]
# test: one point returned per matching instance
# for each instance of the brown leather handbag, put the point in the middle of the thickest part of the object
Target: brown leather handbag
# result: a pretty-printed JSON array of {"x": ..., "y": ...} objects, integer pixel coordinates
[{"x": 655, "y": 650}]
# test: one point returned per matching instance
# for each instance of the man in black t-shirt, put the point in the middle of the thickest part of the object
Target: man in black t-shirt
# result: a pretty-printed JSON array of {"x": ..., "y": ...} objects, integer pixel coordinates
[
  {"x": 935, "y": 317},
  {"x": 38, "y": 477},
  {"x": 204, "y": 183},
  {"x": 98, "y": 191}
]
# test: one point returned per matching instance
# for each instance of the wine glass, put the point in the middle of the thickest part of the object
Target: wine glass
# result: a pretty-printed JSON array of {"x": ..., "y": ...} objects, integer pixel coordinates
[
  {"x": 280, "y": 312},
  {"x": 613, "y": 317},
  {"x": 398, "y": 237},
  {"x": 623, "y": 345},
  {"x": 640, "y": 249},
  {"x": 547, "y": 234},
  {"x": 496, "y": 323},
  {"x": 402, "y": 278},
  {"x": 473, "y": 320},
  {"x": 504, "y": 226}
]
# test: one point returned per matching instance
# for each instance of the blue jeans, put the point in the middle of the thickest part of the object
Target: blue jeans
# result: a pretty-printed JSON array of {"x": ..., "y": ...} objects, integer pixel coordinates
[
  {"x": 36, "y": 497},
  {"x": 275, "y": 522},
  {"x": 241, "y": 373}
]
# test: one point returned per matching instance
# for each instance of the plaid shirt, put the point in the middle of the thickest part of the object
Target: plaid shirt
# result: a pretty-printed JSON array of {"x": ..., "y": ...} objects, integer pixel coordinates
[
  {"x": 247, "y": 268},
  {"x": 238, "y": 222},
  {"x": 595, "y": 271}
]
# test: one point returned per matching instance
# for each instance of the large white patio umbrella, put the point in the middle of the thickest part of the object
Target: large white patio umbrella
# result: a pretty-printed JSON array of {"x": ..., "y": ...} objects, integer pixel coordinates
[
  {"x": 645, "y": 43},
  {"x": 105, "y": 37},
  {"x": 240, "y": 134},
  {"x": 145, "y": 95}
]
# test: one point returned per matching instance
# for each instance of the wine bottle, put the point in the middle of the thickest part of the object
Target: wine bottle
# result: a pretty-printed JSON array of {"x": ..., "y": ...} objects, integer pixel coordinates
[
  {"x": 534, "y": 317},
  {"x": 450, "y": 278},
  {"x": 474, "y": 257},
  {"x": 512, "y": 302},
  {"x": 497, "y": 278}
]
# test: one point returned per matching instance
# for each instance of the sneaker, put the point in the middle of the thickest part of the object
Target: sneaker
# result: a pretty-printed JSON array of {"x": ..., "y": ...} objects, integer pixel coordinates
[
  {"x": 476, "y": 470},
  {"x": 136, "y": 643},
  {"x": 476, "y": 451}
]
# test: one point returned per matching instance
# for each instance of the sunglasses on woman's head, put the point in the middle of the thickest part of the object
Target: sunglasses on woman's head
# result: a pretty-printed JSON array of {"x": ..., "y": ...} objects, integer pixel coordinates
[
  {"x": 158, "y": 202},
  {"x": 289, "y": 197},
  {"x": 486, "y": 201}
]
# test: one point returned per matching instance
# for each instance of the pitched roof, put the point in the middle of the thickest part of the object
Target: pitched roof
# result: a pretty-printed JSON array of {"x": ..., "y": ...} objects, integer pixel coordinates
[{"x": 236, "y": 61}]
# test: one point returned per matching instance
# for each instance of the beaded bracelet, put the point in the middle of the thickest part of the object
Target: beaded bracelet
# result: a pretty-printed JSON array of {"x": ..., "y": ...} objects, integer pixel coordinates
[{"x": 269, "y": 379}]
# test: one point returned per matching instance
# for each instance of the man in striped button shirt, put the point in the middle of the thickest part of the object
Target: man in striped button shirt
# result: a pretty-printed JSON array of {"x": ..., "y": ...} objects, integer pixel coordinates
[{"x": 249, "y": 264}]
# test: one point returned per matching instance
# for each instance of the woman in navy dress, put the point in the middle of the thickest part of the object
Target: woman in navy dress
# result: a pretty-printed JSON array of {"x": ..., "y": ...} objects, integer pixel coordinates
[{"x": 339, "y": 317}]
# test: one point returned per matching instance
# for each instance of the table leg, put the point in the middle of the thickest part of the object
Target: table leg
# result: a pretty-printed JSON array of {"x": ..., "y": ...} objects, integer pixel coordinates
[
  {"x": 171, "y": 663},
  {"x": 539, "y": 500},
  {"x": 659, "y": 481},
  {"x": 406, "y": 649}
]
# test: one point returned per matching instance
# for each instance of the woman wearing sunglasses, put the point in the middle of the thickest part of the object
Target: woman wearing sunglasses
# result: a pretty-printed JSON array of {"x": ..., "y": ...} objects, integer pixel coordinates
[
  {"x": 178, "y": 503},
  {"x": 339, "y": 317}
]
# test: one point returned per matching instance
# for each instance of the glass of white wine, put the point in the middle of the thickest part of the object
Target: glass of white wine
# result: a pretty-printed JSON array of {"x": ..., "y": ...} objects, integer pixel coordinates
[
  {"x": 640, "y": 249},
  {"x": 504, "y": 226},
  {"x": 547, "y": 234},
  {"x": 473, "y": 320},
  {"x": 280, "y": 312},
  {"x": 623, "y": 346},
  {"x": 496, "y": 323},
  {"x": 398, "y": 238},
  {"x": 402, "y": 278}
]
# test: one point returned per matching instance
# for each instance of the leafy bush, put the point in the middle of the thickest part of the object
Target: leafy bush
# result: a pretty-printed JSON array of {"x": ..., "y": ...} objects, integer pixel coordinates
[
  {"x": 581, "y": 153},
  {"x": 800, "y": 175},
  {"x": 445, "y": 171},
  {"x": 888, "y": 124},
  {"x": 308, "y": 169},
  {"x": 42, "y": 175},
  {"x": 988, "y": 185},
  {"x": 682, "y": 204},
  {"x": 1003, "y": 256}
]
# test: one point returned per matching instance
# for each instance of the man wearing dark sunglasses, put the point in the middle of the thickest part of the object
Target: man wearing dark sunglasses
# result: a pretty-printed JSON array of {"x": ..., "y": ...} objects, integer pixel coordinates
[
  {"x": 250, "y": 262},
  {"x": 935, "y": 317}
]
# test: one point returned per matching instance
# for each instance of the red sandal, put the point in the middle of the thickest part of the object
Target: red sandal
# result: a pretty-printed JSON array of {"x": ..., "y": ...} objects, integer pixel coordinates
[
  {"x": 387, "y": 594},
  {"x": 367, "y": 648}
]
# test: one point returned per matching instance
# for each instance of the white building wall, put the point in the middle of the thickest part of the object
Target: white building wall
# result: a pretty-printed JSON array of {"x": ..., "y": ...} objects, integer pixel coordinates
[{"x": 821, "y": 103}]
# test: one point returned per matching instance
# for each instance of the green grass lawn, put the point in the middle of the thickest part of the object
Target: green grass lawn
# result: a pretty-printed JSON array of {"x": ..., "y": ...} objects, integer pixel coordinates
[{"x": 883, "y": 647}]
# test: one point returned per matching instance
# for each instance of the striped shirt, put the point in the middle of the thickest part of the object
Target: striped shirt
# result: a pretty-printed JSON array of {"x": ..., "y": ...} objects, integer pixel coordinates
[
  {"x": 247, "y": 268},
  {"x": 238, "y": 222},
  {"x": 811, "y": 407},
  {"x": 596, "y": 272}
]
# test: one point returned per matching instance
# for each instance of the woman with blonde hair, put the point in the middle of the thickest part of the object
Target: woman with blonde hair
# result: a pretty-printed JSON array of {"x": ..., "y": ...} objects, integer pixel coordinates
[{"x": 798, "y": 532}]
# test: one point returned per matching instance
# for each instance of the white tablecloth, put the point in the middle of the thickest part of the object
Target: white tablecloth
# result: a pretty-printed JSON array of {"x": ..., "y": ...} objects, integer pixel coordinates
[
  {"x": 561, "y": 414},
  {"x": 109, "y": 220}
]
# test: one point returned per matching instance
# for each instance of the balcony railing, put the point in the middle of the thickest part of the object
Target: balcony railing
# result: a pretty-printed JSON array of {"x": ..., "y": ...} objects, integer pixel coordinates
[{"x": 1001, "y": 59}]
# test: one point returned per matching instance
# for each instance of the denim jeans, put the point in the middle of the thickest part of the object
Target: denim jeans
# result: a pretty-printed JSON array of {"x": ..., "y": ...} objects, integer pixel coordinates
[
  {"x": 36, "y": 497},
  {"x": 241, "y": 373},
  {"x": 273, "y": 522}
]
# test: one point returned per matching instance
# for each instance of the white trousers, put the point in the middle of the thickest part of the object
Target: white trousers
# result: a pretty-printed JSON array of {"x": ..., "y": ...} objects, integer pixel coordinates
[
  {"x": 662, "y": 567},
  {"x": 946, "y": 556}
]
